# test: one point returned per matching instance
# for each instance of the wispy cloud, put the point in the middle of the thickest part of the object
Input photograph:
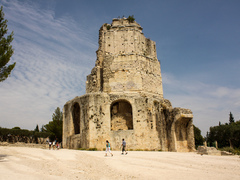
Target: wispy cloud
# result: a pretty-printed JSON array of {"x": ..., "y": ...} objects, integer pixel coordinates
[
  {"x": 210, "y": 103},
  {"x": 53, "y": 58},
  {"x": 54, "y": 55}
]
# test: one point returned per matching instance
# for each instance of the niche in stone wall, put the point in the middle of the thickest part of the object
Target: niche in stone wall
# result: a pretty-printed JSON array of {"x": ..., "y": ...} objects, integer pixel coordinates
[
  {"x": 121, "y": 115},
  {"x": 76, "y": 118},
  {"x": 181, "y": 129}
]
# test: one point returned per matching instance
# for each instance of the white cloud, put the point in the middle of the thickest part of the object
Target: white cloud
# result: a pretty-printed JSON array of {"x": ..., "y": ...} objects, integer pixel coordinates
[
  {"x": 209, "y": 103},
  {"x": 53, "y": 58}
]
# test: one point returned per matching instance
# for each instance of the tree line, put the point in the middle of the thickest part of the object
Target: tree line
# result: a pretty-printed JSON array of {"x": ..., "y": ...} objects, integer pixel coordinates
[
  {"x": 226, "y": 135},
  {"x": 17, "y": 134},
  {"x": 52, "y": 130}
]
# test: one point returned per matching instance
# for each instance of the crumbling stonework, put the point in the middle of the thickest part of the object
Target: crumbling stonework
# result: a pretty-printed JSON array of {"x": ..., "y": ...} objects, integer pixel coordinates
[
  {"x": 124, "y": 98},
  {"x": 204, "y": 150}
]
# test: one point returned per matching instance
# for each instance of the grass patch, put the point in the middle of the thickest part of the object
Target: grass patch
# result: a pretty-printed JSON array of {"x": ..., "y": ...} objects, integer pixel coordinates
[{"x": 231, "y": 150}]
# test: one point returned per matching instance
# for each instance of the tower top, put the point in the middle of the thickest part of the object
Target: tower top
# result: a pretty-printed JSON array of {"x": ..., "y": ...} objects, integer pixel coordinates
[{"x": 126, "y": 61}]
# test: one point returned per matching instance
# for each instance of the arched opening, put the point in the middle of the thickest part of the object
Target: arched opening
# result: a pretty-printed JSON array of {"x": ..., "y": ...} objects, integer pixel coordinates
[
  {"x": 121, "y": 116},
  {"x": 76, "y": 118}
]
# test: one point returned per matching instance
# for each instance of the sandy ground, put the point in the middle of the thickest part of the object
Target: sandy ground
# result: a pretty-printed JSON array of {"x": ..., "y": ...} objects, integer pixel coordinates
[{"x": 35, "y": 163}]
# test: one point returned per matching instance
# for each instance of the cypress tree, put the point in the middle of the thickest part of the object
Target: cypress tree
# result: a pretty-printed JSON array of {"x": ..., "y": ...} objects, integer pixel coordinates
[{"x": 231, "y": 118}]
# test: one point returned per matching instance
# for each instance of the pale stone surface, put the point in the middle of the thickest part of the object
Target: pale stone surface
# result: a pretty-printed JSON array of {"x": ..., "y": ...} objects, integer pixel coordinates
[
  {"x": 208, "y": 151},
  {"x": 124, "y": 98},
  {"x": 212, "y": 151},
  {"x": 23, "y": 163}
]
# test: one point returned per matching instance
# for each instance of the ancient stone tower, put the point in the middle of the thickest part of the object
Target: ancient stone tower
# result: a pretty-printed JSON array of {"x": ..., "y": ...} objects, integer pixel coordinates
[{"x": 124, "y": 98}]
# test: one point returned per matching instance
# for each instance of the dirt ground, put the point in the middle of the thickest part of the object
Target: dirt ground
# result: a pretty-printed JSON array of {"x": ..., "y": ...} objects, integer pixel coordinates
[{"x": 23, "y": 163}]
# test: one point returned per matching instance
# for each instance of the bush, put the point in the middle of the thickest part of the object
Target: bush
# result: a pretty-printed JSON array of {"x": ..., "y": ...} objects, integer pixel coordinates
[
  {"x": 231, "y": 150},
  {"x": 131, "y": 19}
]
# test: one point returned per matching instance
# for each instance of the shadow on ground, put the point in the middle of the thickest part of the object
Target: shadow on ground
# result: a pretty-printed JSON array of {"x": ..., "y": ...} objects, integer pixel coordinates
[{"x": 2, "y": 157}]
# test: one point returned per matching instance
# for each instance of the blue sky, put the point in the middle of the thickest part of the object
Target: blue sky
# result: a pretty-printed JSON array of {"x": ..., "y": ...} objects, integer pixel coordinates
[{"x": 198, "y": 45}]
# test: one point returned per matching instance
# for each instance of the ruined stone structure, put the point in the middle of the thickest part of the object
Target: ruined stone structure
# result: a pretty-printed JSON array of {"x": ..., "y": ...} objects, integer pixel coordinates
[{"x": 124, "y": 98}]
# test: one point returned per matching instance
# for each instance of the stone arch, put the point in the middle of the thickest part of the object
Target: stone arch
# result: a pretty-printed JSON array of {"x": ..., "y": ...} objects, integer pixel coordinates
[
  {"x": 121, "y": 115},
  {"x": 76, "y": 118}
]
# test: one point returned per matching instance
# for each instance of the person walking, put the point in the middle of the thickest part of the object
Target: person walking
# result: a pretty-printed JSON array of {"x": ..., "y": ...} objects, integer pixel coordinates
[
  {"x": 124, "y": 147},
  {"x": 108, "y": 149},
  {"x": 50, "y": 144},
  {"x": 54, "y": 144}
]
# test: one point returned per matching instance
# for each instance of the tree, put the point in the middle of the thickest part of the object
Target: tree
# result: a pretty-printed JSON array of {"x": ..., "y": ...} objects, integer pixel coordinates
[
  {"x": 231, "y": 118},
  {"x": 6, "y": 50},
  {"x": 227, "y": 135},
  {"x": 131, "y": 19},
  {"x": 37, "y": 128},
  {"x": 57, "y": 115},
  {"x": 198, "y": 137},
  {"x": 42, "y": 128},
  {"x": 55, "y": 126}
]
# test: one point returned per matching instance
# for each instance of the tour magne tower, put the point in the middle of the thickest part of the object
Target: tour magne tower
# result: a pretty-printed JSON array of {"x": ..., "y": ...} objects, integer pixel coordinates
[{"x": 124, "y": 98}]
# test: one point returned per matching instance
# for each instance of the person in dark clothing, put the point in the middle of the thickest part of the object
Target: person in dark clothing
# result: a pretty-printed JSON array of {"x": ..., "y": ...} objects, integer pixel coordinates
[{"x": 124, "y": 146}]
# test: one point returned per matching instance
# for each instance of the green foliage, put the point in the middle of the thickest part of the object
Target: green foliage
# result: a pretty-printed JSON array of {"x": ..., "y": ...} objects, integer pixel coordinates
[
  {"x": 198, "y": 137},
  {"x": 37, "y": 128},
  {"x": 4, "y": 132},
  {"x": 55, "y": 126},
  {"x": 231, "y": 150},
  {"x": 131, "y": 19},
  {"x": 231, "y": 118},
  {"x": 6, "y": 50},
  {"x": 42, "y": 128},
  {"x": 42, "y": 134},
  {"x": 16, "y": 128},
  {"x": 227, "y": 135},
  {"x": 108, "y": 27}
]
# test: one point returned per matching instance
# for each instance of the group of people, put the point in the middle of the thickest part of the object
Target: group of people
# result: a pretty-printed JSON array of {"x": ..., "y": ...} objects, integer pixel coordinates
[
  {"x": 53, "y": 145},
  {"x": 123, "y": 146}
]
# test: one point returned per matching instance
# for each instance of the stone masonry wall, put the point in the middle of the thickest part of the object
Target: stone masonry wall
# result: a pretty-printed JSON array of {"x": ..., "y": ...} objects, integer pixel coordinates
[{"x": 130, "y": 61}]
